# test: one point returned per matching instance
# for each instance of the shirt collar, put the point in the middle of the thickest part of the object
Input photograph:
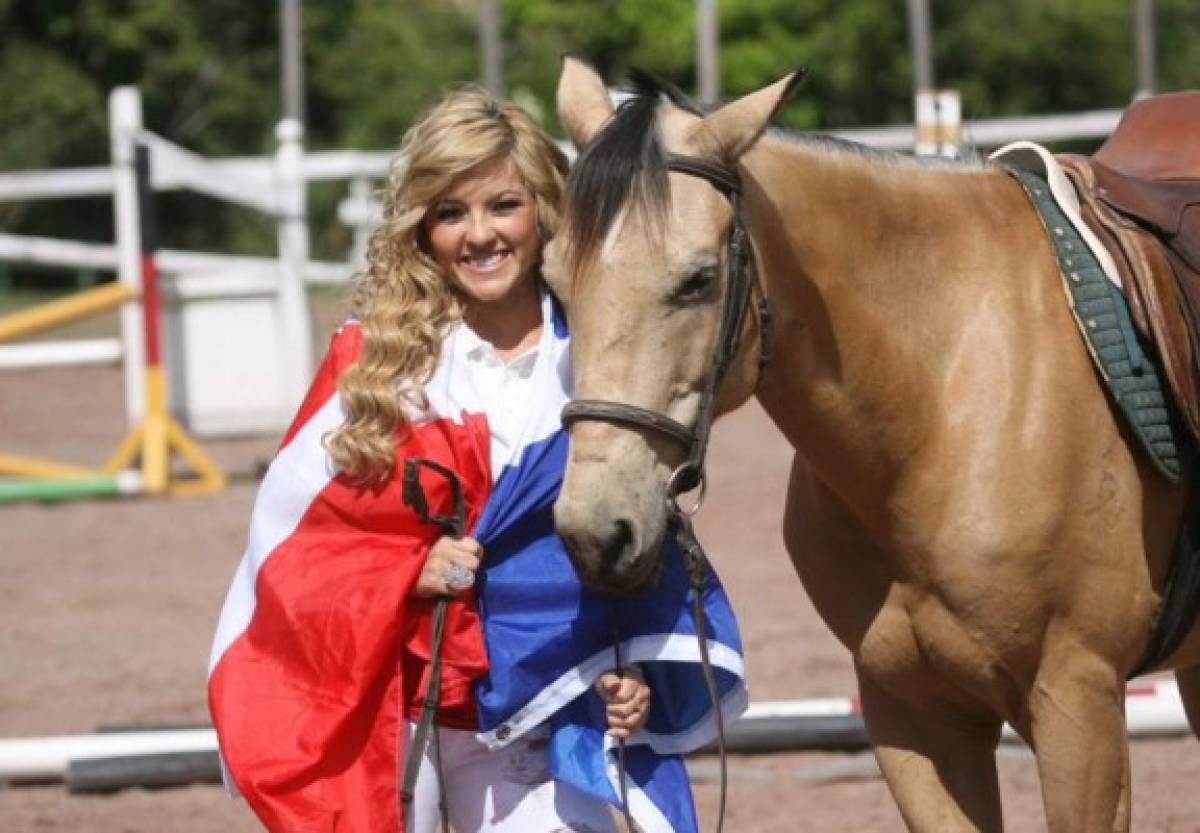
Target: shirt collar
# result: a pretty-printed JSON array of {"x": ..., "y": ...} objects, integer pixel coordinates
[{"x": 469, "y": 346}]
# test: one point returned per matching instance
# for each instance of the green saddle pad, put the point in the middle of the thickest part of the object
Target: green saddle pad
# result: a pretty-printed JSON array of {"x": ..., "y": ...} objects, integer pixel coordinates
[{"x": 1102, "y": 314}]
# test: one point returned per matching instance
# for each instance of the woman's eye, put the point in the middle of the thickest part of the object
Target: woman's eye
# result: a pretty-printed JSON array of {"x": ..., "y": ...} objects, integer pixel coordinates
[
  {"x": 697, "y": 284},
  {"x": 507, "y": 206},
  {"x": 447, "y": 213}
]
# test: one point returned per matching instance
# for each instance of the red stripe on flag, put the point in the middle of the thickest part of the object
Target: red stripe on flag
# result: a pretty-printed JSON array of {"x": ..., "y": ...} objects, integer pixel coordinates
[{"x": 308, "y": 700}]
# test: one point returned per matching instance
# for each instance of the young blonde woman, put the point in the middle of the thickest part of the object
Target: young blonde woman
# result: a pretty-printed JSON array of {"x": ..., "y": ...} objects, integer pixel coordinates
[{"x": 457, "y": 356}]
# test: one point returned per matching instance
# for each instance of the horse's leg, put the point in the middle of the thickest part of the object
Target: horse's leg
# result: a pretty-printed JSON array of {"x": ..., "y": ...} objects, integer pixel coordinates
[
  {"x": 941, "y": 770},
  {"x": 1075, "y": 721},
  {"x": 941, "y": 773}
]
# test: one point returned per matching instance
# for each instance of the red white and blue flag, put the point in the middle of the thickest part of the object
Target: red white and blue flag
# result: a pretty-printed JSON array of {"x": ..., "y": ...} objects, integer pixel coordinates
[{"x": 319, "y": 650}]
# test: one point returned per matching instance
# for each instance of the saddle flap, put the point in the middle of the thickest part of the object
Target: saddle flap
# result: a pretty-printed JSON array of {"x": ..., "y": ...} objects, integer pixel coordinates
[
  {"x": 1156, "y": 138},
  {"x": 1157, "y": 293},
  {"x": 1160, "y": 204}
]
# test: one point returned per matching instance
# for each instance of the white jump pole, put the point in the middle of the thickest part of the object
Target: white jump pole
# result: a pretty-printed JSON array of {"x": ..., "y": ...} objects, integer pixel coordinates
[
  {"x": 46, "y": 759},
  {"x": 1152, "y": 709},
  {"x": 295, "y": 323},
  {"x": 125, "y": 123},
  {"x": 58, "y": 353}
]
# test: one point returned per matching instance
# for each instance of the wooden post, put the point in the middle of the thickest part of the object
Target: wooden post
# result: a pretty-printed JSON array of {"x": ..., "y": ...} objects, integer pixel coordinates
[
  {"x": 491, "y": 52},
  {"x": 295, "y": 322},
  {"x": 124, "y": 124},
  {"x": 292, "y": 50},
  {"x": 708, "y": 85},
  {"x": 919, "y": 38},
  {"x": 1143, "y": 35}
]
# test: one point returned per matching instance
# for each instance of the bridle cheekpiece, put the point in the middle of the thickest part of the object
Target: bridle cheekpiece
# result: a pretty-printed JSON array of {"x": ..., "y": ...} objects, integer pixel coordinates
[{"x": 740, "y": 281}]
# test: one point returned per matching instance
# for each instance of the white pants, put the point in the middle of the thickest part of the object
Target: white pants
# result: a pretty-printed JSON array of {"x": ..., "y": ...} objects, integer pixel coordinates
[{"x": 506, "y": 791}]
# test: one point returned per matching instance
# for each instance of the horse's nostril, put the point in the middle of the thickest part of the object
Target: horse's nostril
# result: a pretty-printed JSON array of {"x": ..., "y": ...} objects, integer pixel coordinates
[{"x": 619, "y": 537}]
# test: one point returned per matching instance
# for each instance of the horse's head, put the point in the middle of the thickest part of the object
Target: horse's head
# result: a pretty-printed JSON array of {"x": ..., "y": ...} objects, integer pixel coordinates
[{"x": 642, "y": 266}]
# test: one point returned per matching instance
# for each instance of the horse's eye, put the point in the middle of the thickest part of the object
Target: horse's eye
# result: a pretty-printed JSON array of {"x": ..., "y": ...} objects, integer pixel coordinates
[{"x": 697, "y": 285}]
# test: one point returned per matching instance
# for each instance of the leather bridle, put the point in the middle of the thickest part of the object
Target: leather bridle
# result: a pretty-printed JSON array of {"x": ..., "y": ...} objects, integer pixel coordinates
[
  {"x": 740, "y": 283},
  {"x": 741, "y": 279}
]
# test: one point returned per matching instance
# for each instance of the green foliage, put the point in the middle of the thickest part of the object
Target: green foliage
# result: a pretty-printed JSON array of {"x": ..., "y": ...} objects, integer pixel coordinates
[
  {"x": 1070, "y": 55},
  {"x": 1178, "y": 35},
  {"x": 209, "y": 74},
  {"x": 855, "y": 52},
  {"x": 50, "y": 107},
  {"x": 204, "y": 71},
  {"x": 374, "y": 65}
]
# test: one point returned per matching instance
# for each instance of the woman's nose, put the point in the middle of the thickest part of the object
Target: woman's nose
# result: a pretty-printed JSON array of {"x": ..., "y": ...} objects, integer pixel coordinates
[{"x": 479, "y": 229}]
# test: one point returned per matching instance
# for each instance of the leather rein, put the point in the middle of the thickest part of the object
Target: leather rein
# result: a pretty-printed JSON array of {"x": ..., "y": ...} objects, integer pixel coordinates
[
  {"x": 741, "y": 279},
  {"x": 453, "y": 525}
]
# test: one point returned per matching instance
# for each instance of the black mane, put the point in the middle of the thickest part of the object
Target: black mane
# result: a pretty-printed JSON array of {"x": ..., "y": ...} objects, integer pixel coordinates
[{"x": 625, "y": 158}]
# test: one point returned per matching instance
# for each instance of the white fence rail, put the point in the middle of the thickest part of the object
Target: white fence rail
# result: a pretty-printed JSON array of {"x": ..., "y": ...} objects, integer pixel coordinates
[
  {"x": 62, "y": 183},
  {"x": 58, "y": 353},
  {"x": 277, "y": 334},
  {"x": 992, "y": 133},
  {"x": 276, "y": 185},
  {"x": 51, "y": 251}
]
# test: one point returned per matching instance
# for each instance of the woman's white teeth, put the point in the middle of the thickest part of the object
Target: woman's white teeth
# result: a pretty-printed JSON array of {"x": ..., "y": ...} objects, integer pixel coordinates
[{"x": 486, "y": 261}]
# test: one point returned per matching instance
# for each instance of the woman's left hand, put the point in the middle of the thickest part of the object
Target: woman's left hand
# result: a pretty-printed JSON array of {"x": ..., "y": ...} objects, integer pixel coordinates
[{"x": 628, "y": 701}]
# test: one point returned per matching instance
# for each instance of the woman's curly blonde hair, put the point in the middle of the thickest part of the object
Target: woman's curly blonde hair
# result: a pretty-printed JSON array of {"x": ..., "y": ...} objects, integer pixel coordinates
[{"x": 403, "y": 301}]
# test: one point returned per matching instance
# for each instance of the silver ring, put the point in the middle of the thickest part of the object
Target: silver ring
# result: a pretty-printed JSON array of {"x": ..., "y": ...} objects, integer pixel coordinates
[
  {"x": 458, "y": 577},
  {"x": 702, "y": 488}
]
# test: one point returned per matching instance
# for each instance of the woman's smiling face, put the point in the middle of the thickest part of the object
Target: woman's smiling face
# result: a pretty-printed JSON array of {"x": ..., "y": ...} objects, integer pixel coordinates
[{"x": 483, "y": 234}]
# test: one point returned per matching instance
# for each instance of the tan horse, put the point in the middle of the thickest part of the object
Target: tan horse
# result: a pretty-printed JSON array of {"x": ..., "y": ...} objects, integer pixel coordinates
[{"x": 963, "y": 508}]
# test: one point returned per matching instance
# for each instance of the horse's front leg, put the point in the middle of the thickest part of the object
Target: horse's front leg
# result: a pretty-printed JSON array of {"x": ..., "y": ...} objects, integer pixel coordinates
[
  {"x": 941, "y": 771},
  {"x": 1075, "y": 721},
  {"x": 940, "y": 767}
]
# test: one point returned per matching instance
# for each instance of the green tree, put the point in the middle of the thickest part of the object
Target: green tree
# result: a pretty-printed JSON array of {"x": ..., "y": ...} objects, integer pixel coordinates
[
  {"x": 203, "y": 72},
  {"x": 374, "y": 66},
  {"x": 209, "y": 74}
]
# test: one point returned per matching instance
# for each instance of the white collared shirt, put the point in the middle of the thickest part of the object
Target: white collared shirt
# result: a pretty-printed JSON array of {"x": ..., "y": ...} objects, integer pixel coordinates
[
  {"x": 505, "y": 387},
  {"x": 522, "y": 399}
]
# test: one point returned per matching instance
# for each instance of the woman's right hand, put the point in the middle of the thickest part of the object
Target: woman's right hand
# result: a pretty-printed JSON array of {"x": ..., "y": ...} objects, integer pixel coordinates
[{"x": 447, "y": 556}]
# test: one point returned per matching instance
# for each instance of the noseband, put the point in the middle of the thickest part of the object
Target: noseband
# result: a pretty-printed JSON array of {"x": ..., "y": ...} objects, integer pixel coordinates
[{"x": 740, "y": 280}]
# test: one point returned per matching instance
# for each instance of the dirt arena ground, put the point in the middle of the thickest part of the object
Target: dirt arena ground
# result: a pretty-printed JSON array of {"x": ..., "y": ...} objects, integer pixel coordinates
[{"x": 108, "y": 609}]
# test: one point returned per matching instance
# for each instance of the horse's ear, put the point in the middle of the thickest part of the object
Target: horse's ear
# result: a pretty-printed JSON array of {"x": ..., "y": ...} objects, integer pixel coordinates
[
  {"x": 732, "y": 130},
  {"x": 583, "y": 102}
]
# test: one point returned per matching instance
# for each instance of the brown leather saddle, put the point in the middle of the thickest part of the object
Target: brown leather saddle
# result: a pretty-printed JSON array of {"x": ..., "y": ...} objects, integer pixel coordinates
[{"x": 1140, "y": 194}]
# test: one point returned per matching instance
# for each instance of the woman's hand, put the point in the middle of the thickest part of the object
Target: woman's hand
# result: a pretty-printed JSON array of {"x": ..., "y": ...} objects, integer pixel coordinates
[
  {"x": 628, "y": 701},
  {"x": 449, "y": 568}
]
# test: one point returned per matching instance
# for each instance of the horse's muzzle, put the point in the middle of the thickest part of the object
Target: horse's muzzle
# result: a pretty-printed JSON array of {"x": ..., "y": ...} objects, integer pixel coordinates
[{"x": 609, "y": 553}]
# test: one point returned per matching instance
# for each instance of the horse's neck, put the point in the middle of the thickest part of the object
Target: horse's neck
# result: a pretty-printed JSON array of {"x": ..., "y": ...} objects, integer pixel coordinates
[
  {"x": 848, "y": 221},
  {"x": 862, "y": 259}
]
